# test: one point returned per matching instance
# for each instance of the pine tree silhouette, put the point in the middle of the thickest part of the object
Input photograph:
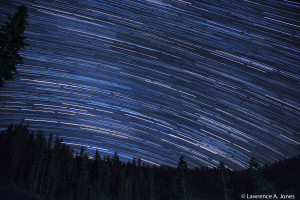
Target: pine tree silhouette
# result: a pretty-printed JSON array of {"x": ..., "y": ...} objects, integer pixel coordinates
[{"x": 11, "y": 42}]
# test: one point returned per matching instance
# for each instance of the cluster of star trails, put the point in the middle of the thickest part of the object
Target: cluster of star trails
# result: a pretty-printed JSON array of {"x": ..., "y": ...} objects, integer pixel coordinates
[{"x": 211, "y": 80}]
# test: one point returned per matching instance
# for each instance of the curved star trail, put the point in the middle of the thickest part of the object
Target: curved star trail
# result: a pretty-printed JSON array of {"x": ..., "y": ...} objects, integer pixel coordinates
[{"x": 210, "y": 80}]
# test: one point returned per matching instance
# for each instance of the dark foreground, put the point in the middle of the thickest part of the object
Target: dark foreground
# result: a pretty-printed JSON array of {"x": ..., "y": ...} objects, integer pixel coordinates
[{"x": 32, "y": 167}]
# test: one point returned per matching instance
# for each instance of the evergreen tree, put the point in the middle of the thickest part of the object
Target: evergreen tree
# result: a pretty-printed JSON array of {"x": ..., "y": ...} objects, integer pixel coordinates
[
  {"x": 224, "y": 176},
  {"x": 39, "y": 156},
  {"x": 183, "y": 180},
  {"x": 260, "y": 185},
  {"x": 129, "y": 181},
  {"x": 43, "y": 183},
  {"x": 11, "y": 42},
  {"x": 116, "y": 170},
  {"x": 83, "y": 179},
  {"x": 96, "y": 176},
  {"x": 106, "y": 178},
  {"x": 18, "y": 152},
  {"x": 140, "y": 182},
  {"x": 55, "y": 169}
]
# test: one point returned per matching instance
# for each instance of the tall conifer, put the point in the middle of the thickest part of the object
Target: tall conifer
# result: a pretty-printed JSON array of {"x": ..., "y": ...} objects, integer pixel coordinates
[
  {"x": 11, "y": 42},
  {"x": 182, "y": 180}
]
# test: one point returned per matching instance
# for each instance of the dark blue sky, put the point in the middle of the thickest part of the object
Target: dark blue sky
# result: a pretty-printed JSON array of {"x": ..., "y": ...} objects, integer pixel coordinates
[{"x": 212, "y": 80}]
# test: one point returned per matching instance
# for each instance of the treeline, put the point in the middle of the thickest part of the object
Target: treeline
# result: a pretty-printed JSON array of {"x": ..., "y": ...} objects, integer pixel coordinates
[{"x": 32, "y": 167}]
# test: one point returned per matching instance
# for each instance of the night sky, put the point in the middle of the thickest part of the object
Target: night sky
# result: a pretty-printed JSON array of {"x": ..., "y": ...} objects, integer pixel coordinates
[{"x": 213, "y": 80}]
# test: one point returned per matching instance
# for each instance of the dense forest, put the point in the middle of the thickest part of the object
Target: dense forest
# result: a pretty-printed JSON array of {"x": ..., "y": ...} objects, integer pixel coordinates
[{"x": 33, "y": 167}]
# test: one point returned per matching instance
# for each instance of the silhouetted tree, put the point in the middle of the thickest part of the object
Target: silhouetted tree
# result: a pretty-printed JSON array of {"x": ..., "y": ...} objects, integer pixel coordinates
[
  {"x": 83, "y": 185},
  {"x": 11, "y": 42},
  {"x": 260, "y": 185},
  {"x": 96, "y": 176},
  {"x": 183, "y": 180},
  {"x": 39, "y": 156},
  {"x": 116, "y": 170},
  {"x": 225, "y": 180}
]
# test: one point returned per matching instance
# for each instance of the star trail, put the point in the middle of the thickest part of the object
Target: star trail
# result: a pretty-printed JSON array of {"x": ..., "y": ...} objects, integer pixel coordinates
[{"x": 211, "y": 80}]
